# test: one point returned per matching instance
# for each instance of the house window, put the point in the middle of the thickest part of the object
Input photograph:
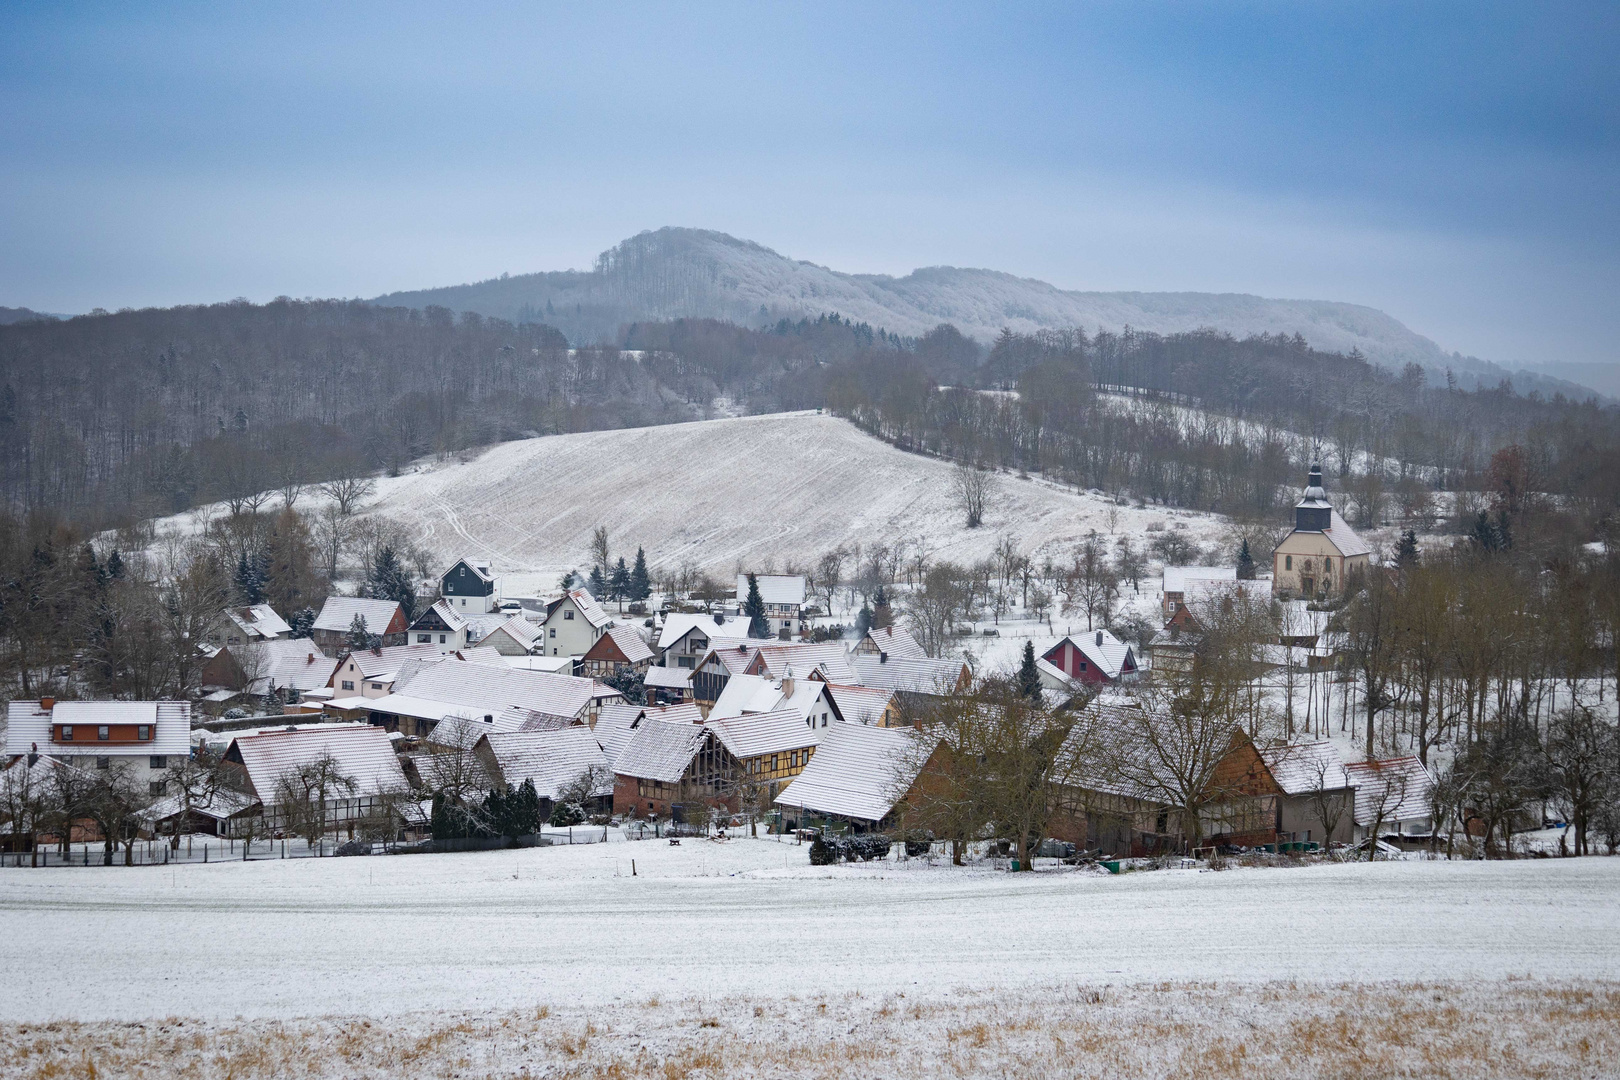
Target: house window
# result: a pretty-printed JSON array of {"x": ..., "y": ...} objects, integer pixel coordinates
[
  {"x": 154, "y": 787},
  {"x": 157, "y": 761},
  {"x": 553, "y": 631},
  {"x": 773, "y": 763},
  {"x": 102, "y": 733},
  {"x": 348, "y": 684},
  {"x": 441, "y": 639},
  {"x": 1288, "y": 562},
  {"x": 823, "y": 719},
  {"x": 376, "y": 686},
  {"x": 568, "y": 614},
  {"x": 67, "y": 732},
  {"x": 103, "y": 762},
  {"x": 464, "y": 603},
  {"x": 143, "y": 733},
  {"x": 424, "y": 639}
]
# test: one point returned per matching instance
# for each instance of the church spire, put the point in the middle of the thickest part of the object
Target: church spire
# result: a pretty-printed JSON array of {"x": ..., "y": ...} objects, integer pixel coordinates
[{"x": 1313, "y": 513}]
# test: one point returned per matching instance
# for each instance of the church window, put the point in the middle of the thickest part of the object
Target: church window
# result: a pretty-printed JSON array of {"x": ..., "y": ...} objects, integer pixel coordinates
[{"x": 1288, "y": 562}]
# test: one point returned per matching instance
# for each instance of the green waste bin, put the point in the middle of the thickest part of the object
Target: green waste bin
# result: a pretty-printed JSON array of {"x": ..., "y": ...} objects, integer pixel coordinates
[
  {"x": 1112, "y": 866},
  {"x": 1015, "y": 866}
]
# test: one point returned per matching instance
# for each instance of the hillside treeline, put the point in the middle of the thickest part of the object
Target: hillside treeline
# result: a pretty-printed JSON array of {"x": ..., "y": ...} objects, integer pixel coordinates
[{"x": 108, "y": 418}]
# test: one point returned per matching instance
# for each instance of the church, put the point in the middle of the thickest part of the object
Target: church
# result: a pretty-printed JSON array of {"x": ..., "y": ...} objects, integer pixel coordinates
[{"x": 1317, "y": 558}]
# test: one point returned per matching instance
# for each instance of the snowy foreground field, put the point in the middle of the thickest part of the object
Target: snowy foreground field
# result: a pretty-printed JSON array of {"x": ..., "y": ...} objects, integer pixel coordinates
[{"x": 737, "y": 958}]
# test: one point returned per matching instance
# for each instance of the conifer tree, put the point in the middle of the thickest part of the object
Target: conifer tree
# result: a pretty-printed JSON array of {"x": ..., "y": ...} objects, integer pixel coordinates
[
  {"x": 754, "y": 610},
  {"x": 361, "y": 638},
  {"x": 248, "y": 580},
  {"x": 882, "y": 616},
  {"x": 1406, "y": 551},
  {"x": 619, "y": 585},
  {"x": 302, "y": 622},
  {"x": 597, "y": 584},
  {"x": 863, "y": 621},
  {"x": 1245, "y": 562},
  {"x": 1029, "y": 676},
  {"x": 640, "y": 583},
  {"x": 389, "y": 580}
]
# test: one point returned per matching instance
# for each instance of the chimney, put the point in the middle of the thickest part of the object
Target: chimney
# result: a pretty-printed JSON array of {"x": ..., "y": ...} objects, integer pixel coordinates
[
  {"x": 883, "y": 658},
  {"x": 310, "y": 659},
  {"x": 1099, "y": 637},
  {"x": 47, "y": 703}
]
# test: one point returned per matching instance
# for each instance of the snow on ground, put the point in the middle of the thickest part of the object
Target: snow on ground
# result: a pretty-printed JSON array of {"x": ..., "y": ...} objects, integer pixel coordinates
[
  {"x": 754, "y": 490},
  {"x": 383, "y": 935}
]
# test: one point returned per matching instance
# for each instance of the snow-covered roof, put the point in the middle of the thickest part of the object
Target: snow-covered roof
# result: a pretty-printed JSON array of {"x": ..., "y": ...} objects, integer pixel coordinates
[
  {"x": 388, "y": 660},
  {"x": 660, "y": 750},
  {"x": 1303, "y": 768},
  {"x": 519, "y": 629},
  {"x": 800, "y": 658},
  {"x": 629, "y": 642},
  {"x": 1105, "y": 651},
  {"x": 21, "y": 781},
  {"x": 774, "y": 588},
  {"x": 765, "y": 733},
  {"x": 362, "y": 752},
  {"x": 1176, "y": 578},
  {"x": 589, "y": 609},
  {"x": 28, "y": 724},
  {"x": 479, "y": 567},
  {"x": 1402, "y": 785},
  {"x": 678, "y": 624},
  {"x": 746, "y": 694},
  {"x": 448, "y": 615},
  {"x": 896, "y": 641},
  {"x": 857, "y": 772},
  {"x": 259, "y": 621},
  {"x": 1345, "y": 539},
  {"x": 463, "y": 732},
  {"x": 554, "y": 665},
  {"x": 473, "y": 689},
  {"x": 283, "y": 663},
  {"x": 219, "y": 804},
  {"x": 338, "y": 613},
  {"x": 668, "y": 678},
  {"x": 486, "y": 623},
  {"x": 1051, "y": 674},
  {"x": 615, "y": 724},
  {"x": 907, "y": 674},
  {"x": 860, "y": 704},
  {"x": 1205, "y": 592},
  {"x": 552, "y": 759}
]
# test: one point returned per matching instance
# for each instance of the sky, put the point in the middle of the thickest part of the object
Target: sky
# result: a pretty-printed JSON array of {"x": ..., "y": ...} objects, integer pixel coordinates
[{"x": 1454, "y": 164}]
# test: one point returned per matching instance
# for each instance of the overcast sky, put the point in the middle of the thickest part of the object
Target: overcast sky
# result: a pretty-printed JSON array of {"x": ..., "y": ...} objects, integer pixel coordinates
[{"x": 1452, "y": 164}]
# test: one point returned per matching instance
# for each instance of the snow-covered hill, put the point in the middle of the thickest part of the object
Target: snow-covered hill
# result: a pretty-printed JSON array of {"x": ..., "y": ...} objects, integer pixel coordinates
[
  {"x": 723, "y": 493},
  {"x": 674, "y": 272}
]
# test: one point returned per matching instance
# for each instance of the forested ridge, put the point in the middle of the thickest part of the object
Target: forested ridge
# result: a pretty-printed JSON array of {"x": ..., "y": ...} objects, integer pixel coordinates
[{"x": 109, "y": 418}]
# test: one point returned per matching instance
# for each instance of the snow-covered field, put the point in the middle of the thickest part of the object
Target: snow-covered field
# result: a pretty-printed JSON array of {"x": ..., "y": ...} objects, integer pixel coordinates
[
  {"x": 383, "y": 936},
  {"x": 750, "y": 491}
]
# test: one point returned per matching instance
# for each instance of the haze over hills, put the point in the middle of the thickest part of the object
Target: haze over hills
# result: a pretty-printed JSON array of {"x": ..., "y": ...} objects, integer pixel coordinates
[{"x": 675, "y": 272}]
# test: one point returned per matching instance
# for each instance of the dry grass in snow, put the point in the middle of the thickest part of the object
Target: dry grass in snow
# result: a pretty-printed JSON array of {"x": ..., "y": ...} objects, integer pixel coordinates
[{"x": 1494, "y": 1028}]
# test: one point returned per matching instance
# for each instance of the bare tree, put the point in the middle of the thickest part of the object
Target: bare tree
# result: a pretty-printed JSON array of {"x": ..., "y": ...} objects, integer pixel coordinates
[
  {"x": 194, "y": 782},
  {"x": 305, "y": 793},
  {"x": 600, "y": 552},
  {"x": 932, "y": 609},
  {"x": 25, "y": 800},
  {"x": 829, "y": 572},
  {"x": 348, "y": 492},
  {"x": 974, "y": 487}
]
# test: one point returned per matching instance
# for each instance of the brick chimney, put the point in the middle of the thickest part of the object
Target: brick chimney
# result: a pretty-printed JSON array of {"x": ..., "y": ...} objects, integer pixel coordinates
[{"x": 47, "y": 703}]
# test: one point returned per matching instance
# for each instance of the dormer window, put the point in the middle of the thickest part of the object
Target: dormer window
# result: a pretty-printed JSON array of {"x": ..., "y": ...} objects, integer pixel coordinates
[
  {"x": 143, "y": 733},
  {"x": 67, "y": 732},
  {"x": 103, "y": 733}
]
